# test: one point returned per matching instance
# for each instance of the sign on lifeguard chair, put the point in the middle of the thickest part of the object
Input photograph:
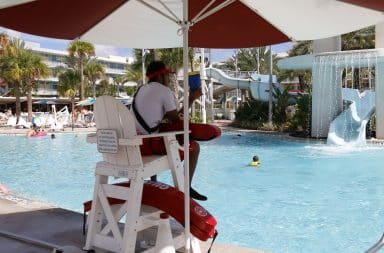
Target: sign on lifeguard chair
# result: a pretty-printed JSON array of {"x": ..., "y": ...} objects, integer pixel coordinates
[{"x": 107, "y": 141}]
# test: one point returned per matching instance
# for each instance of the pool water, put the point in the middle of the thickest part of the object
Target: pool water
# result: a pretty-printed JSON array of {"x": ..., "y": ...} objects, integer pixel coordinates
[{"x": 304, "y": 197}]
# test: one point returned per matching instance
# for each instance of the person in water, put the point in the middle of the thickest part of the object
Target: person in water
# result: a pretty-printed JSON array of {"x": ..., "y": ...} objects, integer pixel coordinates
[
  {"x": 154, "y": 102},
  {"x": 255, "y": 160},
  {"x": 32, "y": 131}
]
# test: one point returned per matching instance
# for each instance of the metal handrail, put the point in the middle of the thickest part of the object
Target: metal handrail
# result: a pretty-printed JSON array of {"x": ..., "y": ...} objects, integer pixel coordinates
[{"x": 377, "y": 246}]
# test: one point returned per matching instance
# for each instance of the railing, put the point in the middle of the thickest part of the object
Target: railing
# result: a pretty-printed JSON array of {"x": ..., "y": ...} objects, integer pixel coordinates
[
  {"x": 377, "y": 246},
  {"x": 115, "y": 71},
  {"x": 46, "y": 92},
  {"x": 239, "y": 74}
]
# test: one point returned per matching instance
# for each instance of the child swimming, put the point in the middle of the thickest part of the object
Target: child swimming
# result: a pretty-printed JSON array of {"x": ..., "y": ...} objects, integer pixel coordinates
[{"x": 255, "y": 161}]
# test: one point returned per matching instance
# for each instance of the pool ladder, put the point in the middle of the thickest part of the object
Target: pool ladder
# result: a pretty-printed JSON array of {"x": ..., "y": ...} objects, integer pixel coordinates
[{"x": 377, "y": 246}]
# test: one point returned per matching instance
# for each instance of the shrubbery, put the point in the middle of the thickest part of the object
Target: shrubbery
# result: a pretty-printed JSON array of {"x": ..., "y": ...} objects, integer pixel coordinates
[
  {"x": 301, "y": 121},
  {"x": 254, "y": 114},
  {"x": 251, "y": 114}
]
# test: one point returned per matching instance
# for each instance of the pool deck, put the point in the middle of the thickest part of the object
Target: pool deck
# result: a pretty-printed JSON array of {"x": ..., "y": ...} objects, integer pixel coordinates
[{"x": 31, "y": 227}]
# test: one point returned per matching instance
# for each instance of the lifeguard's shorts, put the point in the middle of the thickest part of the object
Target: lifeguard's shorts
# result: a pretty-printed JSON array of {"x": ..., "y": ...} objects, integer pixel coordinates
[
  {"x": 155, "y": 146},
  {"x": 199, "y": 132}
]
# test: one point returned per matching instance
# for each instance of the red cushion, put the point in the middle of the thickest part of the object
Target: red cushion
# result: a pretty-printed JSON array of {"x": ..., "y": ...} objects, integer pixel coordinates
[{"x": 146, "y": 148}]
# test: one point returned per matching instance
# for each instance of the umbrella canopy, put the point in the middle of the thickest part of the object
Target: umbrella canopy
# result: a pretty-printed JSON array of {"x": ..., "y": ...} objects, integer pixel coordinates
[
  {"x": 195, "y": 23},
  {"x": 371, "y": 4},
  {"x": 214, "y": 24}
]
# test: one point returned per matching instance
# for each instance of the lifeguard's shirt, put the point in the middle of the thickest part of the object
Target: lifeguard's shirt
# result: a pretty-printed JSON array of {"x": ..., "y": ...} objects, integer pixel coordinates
[{"x": 152, "y": 102}]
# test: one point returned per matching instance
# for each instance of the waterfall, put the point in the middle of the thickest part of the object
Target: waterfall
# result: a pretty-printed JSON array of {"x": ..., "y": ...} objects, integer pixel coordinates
[{"x": 343, "y": 97}]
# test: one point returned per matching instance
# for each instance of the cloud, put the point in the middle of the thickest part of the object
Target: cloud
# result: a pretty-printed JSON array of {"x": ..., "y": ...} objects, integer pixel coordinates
[
  {"x": 104, "y": 51},
  {"x": 11, "y": 33},
  {"x": 218, "y": 55}
]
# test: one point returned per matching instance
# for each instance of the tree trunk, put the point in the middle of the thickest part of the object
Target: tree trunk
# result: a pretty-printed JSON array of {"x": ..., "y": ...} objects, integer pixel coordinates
[
  {"x": 82, "y": 80},
  {"x": 29, "y": 101},
  {"x": 356, "y": 79},
  {"x": 73, "y": 112},
  {"x": 18, "y": 103},
  {"x": 174, "y": 86},
  {"x": 156, "y": 55},
  {"x": 301, "y": 82},
  {"x": 94, "y": 89}
]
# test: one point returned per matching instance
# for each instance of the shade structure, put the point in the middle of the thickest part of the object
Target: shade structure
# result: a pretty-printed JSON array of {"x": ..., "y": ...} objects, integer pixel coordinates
[
  {"x": 239, "y": 24},
  {"x": 183, "y": 23}
]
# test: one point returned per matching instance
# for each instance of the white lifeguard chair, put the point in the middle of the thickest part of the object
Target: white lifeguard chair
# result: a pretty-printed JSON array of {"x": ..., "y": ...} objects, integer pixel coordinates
[{"x": 118, "y": 142}]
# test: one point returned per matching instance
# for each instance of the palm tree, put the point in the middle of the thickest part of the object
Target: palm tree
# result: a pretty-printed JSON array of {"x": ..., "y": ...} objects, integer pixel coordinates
[
  {"x": 132, "y": 74},
  {"x": 106, "y": 88},
  {"x": 33, "y": 68},
  {"x": 94, "y": 70},
  {"x": 252, "y": 59},
  {"x": 118, "y": 80},
  {"x": 299, "y": 48},
  {"x": 173, "y": 58},
  {"x": 82, "y": 51},
  {"x": 68, "y": 85},
  {"x": 138, "y": 64},
  {"x": 4, "y": 43},
  {"x": 11, "y": 69},
  {"x": 361, "y": 39}
]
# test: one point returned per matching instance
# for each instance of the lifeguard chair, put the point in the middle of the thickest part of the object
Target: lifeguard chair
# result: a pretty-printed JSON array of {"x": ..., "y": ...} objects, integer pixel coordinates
[{"x": 119, "y": 144}]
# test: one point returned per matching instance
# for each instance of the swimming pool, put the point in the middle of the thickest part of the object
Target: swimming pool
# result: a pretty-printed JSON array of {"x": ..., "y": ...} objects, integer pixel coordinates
[{"x": 304, "y": 197}]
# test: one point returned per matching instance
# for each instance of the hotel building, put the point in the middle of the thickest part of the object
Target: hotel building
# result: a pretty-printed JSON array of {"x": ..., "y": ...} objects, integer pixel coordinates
[{"x": 114, "y": 66}]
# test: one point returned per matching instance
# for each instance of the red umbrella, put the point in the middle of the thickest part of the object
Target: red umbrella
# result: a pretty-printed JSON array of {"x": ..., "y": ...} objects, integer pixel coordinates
[
  {"x": 176, "y": 23},
  {"x": 214, "y": 24},
  {"x": 371, "y": 4}
]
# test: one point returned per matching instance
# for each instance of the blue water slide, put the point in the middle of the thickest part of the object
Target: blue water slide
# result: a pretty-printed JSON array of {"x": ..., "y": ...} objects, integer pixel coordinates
[
  {"x": 257, "y": 84},
  {"x": 349, "y": 126}
]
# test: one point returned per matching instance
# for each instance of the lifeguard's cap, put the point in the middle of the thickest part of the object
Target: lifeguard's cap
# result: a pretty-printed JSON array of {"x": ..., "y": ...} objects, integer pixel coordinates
[{"x": 157, "y": 68}]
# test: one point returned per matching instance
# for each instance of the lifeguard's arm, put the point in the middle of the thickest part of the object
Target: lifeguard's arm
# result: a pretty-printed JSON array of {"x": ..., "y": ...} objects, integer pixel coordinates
[
  {"x": 172, "y": 116},
  {"x": 30, "y": 133},
  {"x": 193, "y": 95}
]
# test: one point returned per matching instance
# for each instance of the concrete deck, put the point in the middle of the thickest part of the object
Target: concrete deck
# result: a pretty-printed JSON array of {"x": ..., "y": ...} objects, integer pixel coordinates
[{"x": 44, "y": 227}]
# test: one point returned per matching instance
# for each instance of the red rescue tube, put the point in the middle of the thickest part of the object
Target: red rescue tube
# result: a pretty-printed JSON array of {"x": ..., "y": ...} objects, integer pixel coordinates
[
  {"x": 171, "y": 200},
  {"x": 199, "y": 132}
]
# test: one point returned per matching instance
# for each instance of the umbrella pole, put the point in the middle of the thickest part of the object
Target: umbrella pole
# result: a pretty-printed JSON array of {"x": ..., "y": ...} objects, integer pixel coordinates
[
  {"x": 185, "y": 27},
  {"x": 270, "y": 87}
]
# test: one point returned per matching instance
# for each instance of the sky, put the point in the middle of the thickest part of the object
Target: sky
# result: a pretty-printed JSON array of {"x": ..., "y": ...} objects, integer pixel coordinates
[{"x": 217, "y": 55}]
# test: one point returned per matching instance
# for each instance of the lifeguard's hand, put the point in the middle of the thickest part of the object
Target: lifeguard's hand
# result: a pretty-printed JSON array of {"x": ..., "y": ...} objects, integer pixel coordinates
[
  {"x": 195, "y": 94},
  {"x": 192, "y": 96}
]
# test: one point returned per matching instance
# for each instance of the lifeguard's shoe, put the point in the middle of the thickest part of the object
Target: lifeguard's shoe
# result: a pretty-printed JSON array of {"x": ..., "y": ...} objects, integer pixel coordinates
[{"x": 195, "y": 195}]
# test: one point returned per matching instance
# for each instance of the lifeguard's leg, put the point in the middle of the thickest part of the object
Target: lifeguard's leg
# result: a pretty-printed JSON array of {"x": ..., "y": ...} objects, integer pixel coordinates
[{"x": 194, "y": 151}]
